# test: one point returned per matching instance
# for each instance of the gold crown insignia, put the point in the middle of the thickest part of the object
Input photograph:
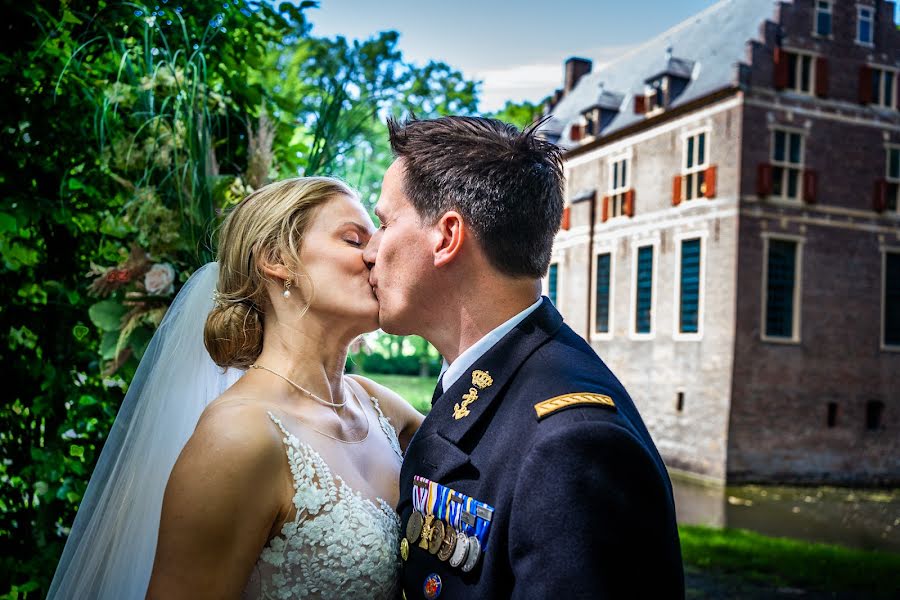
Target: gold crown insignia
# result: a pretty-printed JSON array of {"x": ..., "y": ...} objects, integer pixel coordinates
[{"x": 482, "y": 379}]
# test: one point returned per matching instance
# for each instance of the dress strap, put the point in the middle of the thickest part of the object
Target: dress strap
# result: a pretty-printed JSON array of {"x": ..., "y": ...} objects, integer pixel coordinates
[
  {"x": 278, "y": 422},
  {"x": 386, "y": 427}
]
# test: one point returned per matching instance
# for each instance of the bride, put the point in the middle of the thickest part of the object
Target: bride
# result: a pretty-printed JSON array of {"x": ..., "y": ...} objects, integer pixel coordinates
[{"x": 274, "y": 476}]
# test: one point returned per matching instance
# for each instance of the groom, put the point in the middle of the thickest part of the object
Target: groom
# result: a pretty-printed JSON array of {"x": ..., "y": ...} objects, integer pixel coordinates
[{"x": 533, "y": 476}]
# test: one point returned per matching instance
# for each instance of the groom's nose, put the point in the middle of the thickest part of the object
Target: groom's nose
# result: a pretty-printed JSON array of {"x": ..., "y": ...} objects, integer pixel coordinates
[{"x": 371, "y": 249}]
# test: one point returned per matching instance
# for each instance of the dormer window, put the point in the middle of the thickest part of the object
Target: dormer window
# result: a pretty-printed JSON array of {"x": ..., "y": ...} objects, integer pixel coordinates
[
  {"x": 823, "y": 18},
  {"x": 658, "y": 94},
  {"x": 865, "y": 18},
  {"x": 591, "y": 122}
]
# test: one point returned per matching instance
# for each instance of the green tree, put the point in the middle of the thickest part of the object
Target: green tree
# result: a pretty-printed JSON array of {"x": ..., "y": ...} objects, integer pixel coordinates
[{"x": 521, "y": 114}]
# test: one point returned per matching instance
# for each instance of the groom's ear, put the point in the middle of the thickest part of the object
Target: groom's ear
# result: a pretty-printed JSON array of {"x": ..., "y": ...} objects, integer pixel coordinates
[{"x": 450, "y": 234}]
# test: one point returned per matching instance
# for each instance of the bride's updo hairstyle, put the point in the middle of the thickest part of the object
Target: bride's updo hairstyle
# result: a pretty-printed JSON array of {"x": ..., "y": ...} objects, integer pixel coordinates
[{"x": 268, "y": 224}]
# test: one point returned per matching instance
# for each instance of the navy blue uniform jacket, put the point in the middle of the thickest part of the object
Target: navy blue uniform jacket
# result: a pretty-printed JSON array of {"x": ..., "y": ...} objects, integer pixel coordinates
[{"x": 582, "y": 502}]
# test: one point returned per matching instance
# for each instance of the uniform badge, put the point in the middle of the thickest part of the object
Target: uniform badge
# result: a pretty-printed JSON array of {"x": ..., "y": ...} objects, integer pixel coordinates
[
  {"x": 432, "y": 586},
  {"x": 404, "y": 549},
  {"x": 480, "y": 380},
  {"x": 546, "y": 407}
]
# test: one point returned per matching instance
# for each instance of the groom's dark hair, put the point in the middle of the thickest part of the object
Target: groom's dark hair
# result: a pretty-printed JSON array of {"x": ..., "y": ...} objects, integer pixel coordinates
[{"x": 506, "y": 184}]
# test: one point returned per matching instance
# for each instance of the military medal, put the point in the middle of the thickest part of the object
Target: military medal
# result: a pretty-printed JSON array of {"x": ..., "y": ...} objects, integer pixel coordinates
[
  {"x": 427, "y": 532},
  {"x": 429, "y": 527},
  {"x": 460, "y": 550},
  {"x": 447, "y": 545},
  {"x": 432, "y": 586},
  {"x": 473, "y": 555},
  {"x": 414, "y": 527},
  {"x": 437, "y": 537}
]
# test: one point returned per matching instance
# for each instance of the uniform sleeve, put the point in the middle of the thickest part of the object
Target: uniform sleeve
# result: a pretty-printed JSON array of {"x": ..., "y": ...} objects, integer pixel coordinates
[{"x": 592, "y": 518}]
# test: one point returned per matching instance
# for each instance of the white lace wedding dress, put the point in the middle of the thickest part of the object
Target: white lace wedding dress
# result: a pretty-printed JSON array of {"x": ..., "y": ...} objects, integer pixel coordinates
[{"x": 340, "y": 544}]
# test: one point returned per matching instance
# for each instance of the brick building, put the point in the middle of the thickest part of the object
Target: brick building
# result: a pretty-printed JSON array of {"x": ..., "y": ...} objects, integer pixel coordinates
[{"x": 731, "y": 242}]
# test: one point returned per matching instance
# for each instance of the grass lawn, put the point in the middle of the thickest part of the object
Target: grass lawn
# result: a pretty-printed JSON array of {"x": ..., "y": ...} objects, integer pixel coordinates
[
  {"x": 785, "y": 562},
  {"x": 416, "y": 390}
]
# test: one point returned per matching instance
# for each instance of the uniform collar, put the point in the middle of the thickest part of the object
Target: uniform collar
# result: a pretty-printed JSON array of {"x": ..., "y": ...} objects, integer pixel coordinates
[
  {"x": 451, "y": 372},
  {"x": 499, "y": 363}
]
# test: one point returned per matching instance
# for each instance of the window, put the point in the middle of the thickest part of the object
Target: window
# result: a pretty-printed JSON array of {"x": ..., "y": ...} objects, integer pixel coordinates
[
  {"x": 787, "y": 164},
  {"x": 689, "y": 288},
  {"x": 893, "y": 178},
  {"x": 800, "y": 72},
  {"x": 864, "y": 22},
  {"x": 781, "y": 290},
  {"x": 891, "y": 302},
  {"x": 552, "y": 282},
  {"x": 679, "y": 402},
  {"x": 832, "y": 414},
  {"x": 644, "y": 291},
  {"x": 695, "y": 163},
  {"x": 823, "y": 18},
  {"x": 619, "y": 183},
  {"x": 602, "y": 293},
  {"x": 592, "y": 122},
  {"x": 883, "y": 87},
  {"x": 657, "y": 95},
  {"x": 874, "y": 409}
]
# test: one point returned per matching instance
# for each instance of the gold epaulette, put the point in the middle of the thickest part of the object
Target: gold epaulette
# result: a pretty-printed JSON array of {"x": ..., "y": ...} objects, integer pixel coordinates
[{"x": 566, "y": 400}]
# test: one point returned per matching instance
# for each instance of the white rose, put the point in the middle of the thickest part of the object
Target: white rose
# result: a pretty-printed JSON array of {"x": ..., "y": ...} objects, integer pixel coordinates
[{"x": 160, "y": 279}]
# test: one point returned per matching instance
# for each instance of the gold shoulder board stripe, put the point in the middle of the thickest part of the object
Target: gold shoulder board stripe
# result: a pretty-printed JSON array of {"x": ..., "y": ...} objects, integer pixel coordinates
[{"x": 554, "y": 404}]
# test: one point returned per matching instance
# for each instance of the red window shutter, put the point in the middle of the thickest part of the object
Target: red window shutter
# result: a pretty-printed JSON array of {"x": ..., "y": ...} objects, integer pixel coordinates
[
  {"x": 822, "y": 77},
  {"x": 781, "y": 69},
  {"x": 629, "y": 202},
  {"x": 879, "y": 199},
  {"x": 640, "y": 104},
  {"x": 605, "y": 216},
  {"x": 763, "y": 180},
  {"x": 809, "y": 186},
  {"x": 865, "y": 84},
  {"x": 576, "y": 132},
  {"x": 564, "y": 224},
  {"x": 676, "y": 190},
  {"x": 709, "y": 180}
]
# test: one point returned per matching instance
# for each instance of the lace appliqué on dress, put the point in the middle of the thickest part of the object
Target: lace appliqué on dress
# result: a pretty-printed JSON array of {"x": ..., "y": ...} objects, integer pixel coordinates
[{"x": 340, "y": 545}]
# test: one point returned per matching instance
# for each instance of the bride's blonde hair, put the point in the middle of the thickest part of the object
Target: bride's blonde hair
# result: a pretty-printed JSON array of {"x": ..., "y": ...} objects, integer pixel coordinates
[{"x": 268, "y": 224}]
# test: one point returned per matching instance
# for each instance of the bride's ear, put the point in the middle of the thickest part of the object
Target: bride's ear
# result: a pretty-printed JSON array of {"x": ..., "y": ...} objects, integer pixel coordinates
[
  {"x": 450, "y": 235},
  {"x": 271, "y": 266}
]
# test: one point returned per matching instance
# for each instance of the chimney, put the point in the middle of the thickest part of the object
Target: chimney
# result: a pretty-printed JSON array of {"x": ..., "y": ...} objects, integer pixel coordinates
[{"x": 576, "y": 68}]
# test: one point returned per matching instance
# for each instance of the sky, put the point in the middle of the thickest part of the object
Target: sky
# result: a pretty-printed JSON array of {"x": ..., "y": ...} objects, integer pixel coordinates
[{"x": 516, "y": 48}]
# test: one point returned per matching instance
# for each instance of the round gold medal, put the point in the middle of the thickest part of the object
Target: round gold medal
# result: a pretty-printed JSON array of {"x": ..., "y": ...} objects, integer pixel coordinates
[
  {"x": 438, "y": 538},
  {"x": 414, "y": 527},
  {"x": 460, "y": 550},
  {"x": 473, "y": 555},
  {"x": 404, "y": 549},
  {"x": 448, "y": 544}
]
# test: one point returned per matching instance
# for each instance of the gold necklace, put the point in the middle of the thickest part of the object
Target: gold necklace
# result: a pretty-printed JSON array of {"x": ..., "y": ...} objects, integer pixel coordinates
[
  {"x": 303, "y": 389},
  {"x": 320, "y": 432}
]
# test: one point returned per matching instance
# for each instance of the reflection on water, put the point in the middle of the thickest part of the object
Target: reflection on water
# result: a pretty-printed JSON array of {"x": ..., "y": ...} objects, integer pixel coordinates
[{"x": 866, "y": 519}]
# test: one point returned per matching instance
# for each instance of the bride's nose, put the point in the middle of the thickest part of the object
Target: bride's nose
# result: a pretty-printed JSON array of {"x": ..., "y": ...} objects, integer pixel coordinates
[{"x": 371, "y": 250}]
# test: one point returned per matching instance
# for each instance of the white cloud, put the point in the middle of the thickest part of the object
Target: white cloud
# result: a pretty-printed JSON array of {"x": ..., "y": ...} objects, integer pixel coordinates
[{"x": 533, "y": 82}]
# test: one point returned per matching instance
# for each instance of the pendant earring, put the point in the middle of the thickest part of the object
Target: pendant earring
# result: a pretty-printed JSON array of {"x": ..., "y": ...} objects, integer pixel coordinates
[{"x": 287, "y": 289}]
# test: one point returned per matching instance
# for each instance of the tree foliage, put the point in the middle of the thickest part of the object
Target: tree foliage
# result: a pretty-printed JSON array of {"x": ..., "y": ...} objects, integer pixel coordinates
[{"x": 128, "y": 131}]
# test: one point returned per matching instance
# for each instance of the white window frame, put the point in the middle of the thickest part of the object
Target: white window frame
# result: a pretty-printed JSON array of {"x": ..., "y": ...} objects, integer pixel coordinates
[
  {"x": 617, "y": 194},
  {"x": 798, "y": 88},
  {"x": 685, "y": 172},
  {"x": 887, "y": 174},
  {"x": 677, "y": 335},
  {"x": 795, "y": 338},
  {"x": 787, "y": 165},
  {"x": 882, "y": 88},
  {"x": 830, "y": 11},
  {"x": 654, "y": 289},
  {"x": 885, "y": 250},
  {"x": 611, "y": 250},
  {"x": 860, "y": 9}
]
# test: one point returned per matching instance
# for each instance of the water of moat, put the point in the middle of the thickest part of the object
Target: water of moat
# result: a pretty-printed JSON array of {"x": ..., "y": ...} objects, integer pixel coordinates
[{"x": 857, "y": 518}]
